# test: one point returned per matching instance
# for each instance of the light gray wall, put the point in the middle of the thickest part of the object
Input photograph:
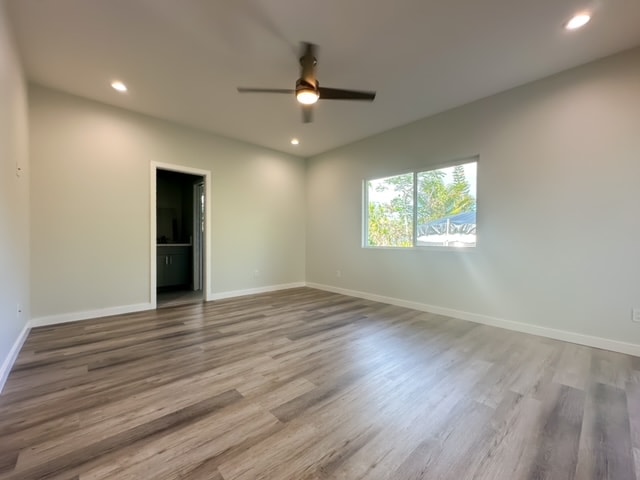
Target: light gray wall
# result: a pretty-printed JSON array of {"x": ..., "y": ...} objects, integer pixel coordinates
[
  {"x": 14, "y": 195},
  {"x": 558, "y": 221},
  {"x": 90, "y": 205}
]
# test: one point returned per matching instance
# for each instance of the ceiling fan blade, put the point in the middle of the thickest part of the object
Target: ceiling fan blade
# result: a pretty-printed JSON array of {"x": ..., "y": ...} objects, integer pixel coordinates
[
  {"x": 265, "y": 90},
  {"x": 307, "y": 113},
  {"x": 339, "y": 94},
  {"x": 308, "y": 63}
]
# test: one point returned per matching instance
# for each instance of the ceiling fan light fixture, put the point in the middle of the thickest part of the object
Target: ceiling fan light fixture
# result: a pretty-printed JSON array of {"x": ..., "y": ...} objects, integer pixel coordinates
[
  {"x": 307, "y": 96},
  {"x": 308, "y": 91}
]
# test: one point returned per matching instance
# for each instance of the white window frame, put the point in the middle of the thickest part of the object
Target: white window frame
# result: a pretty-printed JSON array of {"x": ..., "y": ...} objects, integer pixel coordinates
[{"x": 415, "y": 172}]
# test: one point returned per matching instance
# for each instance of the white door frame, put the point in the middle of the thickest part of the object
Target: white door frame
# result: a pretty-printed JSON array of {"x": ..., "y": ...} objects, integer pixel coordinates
[
  {"x": 198, "y": 234},
  {"x": 154, "y": 167}
]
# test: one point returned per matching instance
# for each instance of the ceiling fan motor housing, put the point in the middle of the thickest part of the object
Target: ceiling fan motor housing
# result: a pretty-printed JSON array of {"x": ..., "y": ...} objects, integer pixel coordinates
[{"x": 302, "y": 84}]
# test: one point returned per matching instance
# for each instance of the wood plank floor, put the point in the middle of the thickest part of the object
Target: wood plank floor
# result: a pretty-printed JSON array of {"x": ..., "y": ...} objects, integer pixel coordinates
[
  {"x": 304, "y": 384},
  {"x": 171, "y": 298}
]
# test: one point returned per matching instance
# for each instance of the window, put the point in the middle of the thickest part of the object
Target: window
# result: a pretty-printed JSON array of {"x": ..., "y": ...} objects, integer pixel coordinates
[{"x": 424, "y": 208}]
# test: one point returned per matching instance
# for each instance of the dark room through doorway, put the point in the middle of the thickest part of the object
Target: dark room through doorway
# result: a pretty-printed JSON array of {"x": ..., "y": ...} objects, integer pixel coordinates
[{"x": 180, "y": 231}]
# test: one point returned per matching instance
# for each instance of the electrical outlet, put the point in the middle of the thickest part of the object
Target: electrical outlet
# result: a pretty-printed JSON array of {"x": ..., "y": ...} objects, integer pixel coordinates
[
  {"x": 635, "y": 315},
  {"x": 338, "y": 273}
]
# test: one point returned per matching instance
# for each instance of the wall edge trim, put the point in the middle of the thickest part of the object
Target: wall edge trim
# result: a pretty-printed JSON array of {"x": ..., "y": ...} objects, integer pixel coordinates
[
  {"x": 253, "y": 291},
  {"x": 564, "y": 335},
  {"x": 89, "y": 314},
  {"x": 11, "y": 358}
]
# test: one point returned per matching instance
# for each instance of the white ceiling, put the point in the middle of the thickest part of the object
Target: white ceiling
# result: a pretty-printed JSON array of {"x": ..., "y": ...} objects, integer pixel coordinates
[{"x": 183, "y": 59}]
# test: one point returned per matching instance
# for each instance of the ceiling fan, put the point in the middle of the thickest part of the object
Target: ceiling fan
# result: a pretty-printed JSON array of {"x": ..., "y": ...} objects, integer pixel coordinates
[{"x": 308, "y": 91}]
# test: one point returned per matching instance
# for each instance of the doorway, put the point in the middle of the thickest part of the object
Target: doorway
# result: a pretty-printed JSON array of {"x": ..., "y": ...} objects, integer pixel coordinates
[{"x": 180, "y": 239}]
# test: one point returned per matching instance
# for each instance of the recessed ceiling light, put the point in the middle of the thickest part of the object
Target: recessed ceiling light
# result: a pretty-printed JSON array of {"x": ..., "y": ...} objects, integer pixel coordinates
[
  {"x": 579, "y": 20},
  {"x": 295, "y": 141},
  {"x": 119, "y": 86}
]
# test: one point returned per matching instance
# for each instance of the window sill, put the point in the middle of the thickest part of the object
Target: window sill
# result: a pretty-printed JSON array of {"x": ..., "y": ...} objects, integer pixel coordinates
[{"x": 433, "y": 248}]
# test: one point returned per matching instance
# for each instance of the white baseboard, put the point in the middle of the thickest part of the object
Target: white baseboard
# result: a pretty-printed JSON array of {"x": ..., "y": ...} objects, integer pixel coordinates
[
  {"x": 253, "y": 291},
  {"x": 86, "y": 315},
  {"x": 572, "y": 337},
  {"x": 13, "y": 355},
  {"x": 107, "y": 312},
  {"x": 110, "y": 311}
]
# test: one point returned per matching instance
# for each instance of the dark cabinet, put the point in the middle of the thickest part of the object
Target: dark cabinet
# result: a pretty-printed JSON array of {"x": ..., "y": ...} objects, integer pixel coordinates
[{"x": 173, "y": 267}]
